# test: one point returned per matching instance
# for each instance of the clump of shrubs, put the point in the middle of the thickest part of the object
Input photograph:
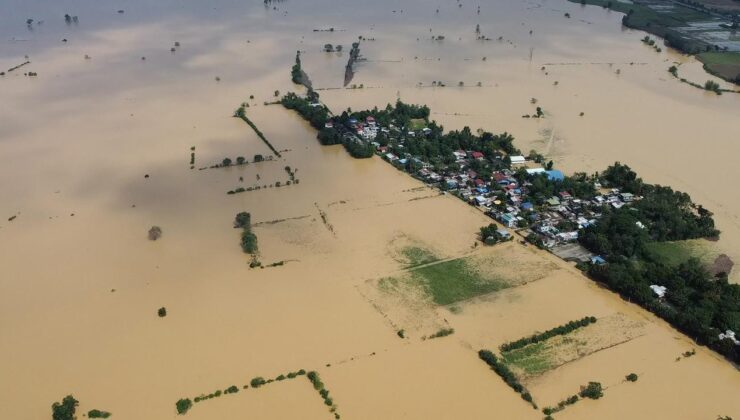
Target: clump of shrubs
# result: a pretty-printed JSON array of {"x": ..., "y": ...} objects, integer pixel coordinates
[
  {"x": 183, "y": 405},
  {"x": 65, "y": 410},
  {"x": 632, "y": 377},
  {"x": 155, "y": 233},
  {"x": 442, "y": 333},
  {"x": 593, "y": 390},
  {"x": 257, "y": 382},
  {"x": 98, "y": 414},
  {"x": 162, "y": 312}
]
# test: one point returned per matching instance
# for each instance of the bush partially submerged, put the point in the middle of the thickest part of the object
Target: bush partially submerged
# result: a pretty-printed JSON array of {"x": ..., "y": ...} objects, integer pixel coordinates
[
  {"x": 183, "y": 405},
  {"x": 155, "y": 233}
]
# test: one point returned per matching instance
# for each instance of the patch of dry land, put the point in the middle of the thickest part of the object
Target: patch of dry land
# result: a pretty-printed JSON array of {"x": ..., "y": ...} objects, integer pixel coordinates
[{"x": 95, "y": 151}]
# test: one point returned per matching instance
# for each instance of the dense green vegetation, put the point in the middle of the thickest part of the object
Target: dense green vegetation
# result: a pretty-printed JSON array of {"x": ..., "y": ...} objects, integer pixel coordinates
[
  {"x": 632, "y": 377},
  {"x": 506, "y": 374},
  {"x": 452, "y": 281},
  {"x": 696, "y": 303},
  {"x": 183, "y": 405},
  {"x": 98, "y": 414},
  {"x": 64, "y": 410},
  {"x": 248, "y": 239},
  {"x": 489, "y": 234},
  {"x": 593, "y": 390},
  {"x": 559, "y": 330},
  {"x": 162, "y": 312},
  {"x": 540, "y": 187}
]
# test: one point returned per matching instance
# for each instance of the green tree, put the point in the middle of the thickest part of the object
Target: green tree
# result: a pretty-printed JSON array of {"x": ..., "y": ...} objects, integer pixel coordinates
[
  {"x": 64, "y": 410},
  {"x": 183, "y": 405}
]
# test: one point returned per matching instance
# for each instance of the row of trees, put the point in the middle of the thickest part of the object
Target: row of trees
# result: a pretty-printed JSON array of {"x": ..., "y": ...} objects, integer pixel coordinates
[
  {"x": 313, "y": 376},
  {"x": 559, "y": 330},
  {"x": 506, "y": 374},
  {"x": 241, "y": 113}
]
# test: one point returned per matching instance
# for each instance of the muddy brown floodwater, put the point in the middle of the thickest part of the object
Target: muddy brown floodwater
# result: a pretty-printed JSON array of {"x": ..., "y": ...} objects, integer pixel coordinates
[{"x": 80, "y": 284}]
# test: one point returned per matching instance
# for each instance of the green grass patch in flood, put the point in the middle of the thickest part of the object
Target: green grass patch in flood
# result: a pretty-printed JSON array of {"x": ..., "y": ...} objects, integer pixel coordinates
[
  {"x": 533, "y": 359},
  {"x": 415, "y": 256},
  {"x": 453, "y": 281}
]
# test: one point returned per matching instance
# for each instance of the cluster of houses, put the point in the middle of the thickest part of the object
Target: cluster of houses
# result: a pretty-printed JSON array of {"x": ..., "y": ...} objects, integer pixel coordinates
[{"x": 501, "y": 195}]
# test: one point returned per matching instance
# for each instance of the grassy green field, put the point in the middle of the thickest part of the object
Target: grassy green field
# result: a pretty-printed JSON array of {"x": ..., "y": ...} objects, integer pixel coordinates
[
  {"x": 453, "y": 281},
  {"x": 415, "y": 256},
  {"x": 417, "y": 124},
  {"x": 532, "y": 359},
  {"x": 722, "y": 64},
  {"x": 674, "y": 253}
]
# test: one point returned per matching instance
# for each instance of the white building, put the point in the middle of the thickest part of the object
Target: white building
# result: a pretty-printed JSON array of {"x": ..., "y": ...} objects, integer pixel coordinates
[{"x": 658, "y": 290}]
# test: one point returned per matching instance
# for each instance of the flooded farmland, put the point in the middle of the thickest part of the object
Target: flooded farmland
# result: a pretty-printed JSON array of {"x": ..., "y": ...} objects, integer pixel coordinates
[{"x": 96, "y": 149}]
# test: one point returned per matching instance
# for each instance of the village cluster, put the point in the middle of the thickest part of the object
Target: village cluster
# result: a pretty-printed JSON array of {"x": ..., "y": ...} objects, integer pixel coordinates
[{"x": 502, "y": 196}]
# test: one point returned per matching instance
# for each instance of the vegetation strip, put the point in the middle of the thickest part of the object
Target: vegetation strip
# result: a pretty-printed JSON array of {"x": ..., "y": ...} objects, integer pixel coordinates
[
  {"x": 183, "y": 405},
  {"x": 297, "y": 74},
  {"x": 559, "y": 330},
  {"x": 243, "y": 221},
  {"x": 506, "y": 374},
  {"x": 313, "y": 376},
  {"x": 593, "y": 391},
  {"x": 240, "y": 113}
]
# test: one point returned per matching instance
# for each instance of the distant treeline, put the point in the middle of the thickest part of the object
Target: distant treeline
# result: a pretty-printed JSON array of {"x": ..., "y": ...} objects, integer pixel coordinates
[{"x": 559, "y": 330}]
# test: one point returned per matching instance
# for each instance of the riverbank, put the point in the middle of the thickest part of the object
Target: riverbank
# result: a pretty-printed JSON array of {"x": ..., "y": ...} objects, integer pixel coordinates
[{"x": 681, "y": 28}]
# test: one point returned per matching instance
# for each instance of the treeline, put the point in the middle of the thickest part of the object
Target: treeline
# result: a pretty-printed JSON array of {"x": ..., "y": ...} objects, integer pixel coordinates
[
  {"x": 243, "y": 221},
  {"x": 317, "y": 116},
  {"x": 559, "y": 330},
  {"x": 506, "y": 374},
  {"x": 696, "y": 303},
  {"x": 313, "y": 376},
  {"x": 349, "y": 70},
  {"x": 240, "y": 113},
  {"x": 183, "y": 405}
]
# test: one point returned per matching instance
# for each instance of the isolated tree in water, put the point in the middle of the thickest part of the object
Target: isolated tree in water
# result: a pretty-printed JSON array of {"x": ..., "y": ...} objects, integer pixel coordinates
[
  {"x": 64, "y": 410},
  {"x": 155, "y": 233}
]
